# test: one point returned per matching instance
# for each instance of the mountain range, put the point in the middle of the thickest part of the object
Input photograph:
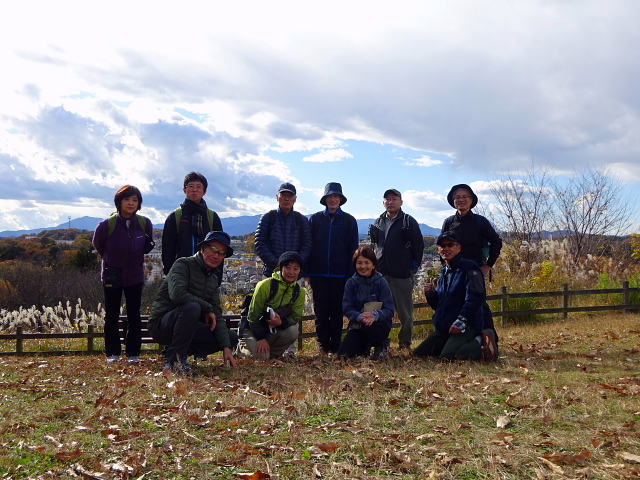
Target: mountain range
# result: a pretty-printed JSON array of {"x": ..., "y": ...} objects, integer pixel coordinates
[{"x": 232, "y": 225}]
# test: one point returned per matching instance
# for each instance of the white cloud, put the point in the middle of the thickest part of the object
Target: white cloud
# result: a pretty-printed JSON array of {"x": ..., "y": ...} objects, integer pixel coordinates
[
  {"x": 335, "y": 155},
  {"x": 425, "y": 201},
  {"x": 424, "y": 161}
]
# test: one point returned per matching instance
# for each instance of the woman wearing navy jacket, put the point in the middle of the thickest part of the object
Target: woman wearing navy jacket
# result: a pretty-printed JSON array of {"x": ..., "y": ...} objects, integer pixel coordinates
[
  {"x": 368, "y": 304},
  {"x": 121, "y": 241}
]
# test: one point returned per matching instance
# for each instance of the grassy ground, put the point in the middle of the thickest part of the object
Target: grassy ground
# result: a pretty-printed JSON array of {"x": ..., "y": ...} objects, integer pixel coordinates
[{"x": 562, "y": 402}]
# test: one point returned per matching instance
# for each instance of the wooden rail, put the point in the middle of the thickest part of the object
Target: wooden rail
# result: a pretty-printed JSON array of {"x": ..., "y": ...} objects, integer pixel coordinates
[{"x": 91, "y": 334}]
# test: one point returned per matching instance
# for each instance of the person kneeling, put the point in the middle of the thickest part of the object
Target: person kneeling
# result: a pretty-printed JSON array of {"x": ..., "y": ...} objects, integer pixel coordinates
[
  {"x": 275, "y": 310},
  {"x": 368, "y": 304},
  {"x": 457, "y": 299}
]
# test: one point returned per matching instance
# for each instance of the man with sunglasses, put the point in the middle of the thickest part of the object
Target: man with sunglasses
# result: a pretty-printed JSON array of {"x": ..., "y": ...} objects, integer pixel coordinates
[
  {"x": 187, "y": 315},
  {"x": 457, "y": 298}
]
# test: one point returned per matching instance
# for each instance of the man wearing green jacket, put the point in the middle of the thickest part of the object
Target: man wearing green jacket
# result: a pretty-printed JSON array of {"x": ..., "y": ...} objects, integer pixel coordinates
[{"x": 186, "y": 315}]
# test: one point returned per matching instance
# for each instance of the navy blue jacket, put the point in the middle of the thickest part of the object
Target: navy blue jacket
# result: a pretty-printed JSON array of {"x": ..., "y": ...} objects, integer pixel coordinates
[
  {"x": 360, "y": 290},
  {"x": 460, "y": 291},
  {"x": 278, "y": 233},
  {"x": 335, "y": 238}
]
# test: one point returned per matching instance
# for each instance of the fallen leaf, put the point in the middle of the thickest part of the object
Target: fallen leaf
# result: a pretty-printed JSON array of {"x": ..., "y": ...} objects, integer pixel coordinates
[
  {"x": 255, "y": 476},
  {"x": 503, "y": 421},
  {"x": 630, "y": 457},
  {"x": 552, "y": 465},
  {"x": 327, "y": 447},
  {"x": 66, "y": 456}
]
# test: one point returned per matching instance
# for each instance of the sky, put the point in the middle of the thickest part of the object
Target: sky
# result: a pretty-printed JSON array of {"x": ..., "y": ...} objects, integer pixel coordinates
[{"x": 412, "y": 95}]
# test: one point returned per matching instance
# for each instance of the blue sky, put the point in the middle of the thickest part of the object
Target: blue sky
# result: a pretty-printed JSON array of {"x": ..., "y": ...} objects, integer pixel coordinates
[{"x": 413, "y": 95}]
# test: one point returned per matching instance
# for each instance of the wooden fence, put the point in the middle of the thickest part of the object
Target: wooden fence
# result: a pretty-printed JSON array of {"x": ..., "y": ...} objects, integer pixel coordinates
[{"x": 91, "y": 334}]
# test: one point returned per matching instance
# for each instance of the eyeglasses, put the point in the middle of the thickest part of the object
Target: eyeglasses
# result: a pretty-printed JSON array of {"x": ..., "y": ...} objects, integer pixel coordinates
[
  {"x": 193, "y": 186},
  {"x": 447, "y": 245},
  {"x": 215, "y": 250},
  {"x": 461, "y": 197}
]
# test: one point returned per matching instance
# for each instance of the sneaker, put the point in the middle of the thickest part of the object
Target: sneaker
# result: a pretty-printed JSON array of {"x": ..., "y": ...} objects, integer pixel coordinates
[
  {"x": 379, "y": 353},
  {"x": 489, "y": 346},
  {"x": 113, "y": 358},
  {"x": 134, "y": 359},
  {"x": 288, "y": 355}
]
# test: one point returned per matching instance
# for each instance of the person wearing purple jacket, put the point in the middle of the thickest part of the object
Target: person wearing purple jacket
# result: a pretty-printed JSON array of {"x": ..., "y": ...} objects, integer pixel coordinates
[{"x": 121, "y": 241}]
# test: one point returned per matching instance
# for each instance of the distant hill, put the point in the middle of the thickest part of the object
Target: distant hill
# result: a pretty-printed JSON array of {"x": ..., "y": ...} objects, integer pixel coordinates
[{"x": 232, "y": 225}]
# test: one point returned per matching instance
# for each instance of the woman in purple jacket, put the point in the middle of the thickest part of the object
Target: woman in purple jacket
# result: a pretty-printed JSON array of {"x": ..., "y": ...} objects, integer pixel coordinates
[{"x": 120, "y": 240}]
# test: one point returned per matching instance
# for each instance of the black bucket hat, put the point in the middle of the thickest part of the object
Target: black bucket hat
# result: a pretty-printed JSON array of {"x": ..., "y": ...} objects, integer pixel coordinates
[
  {"x": 466, "y": 187},
  {"x": 331, "y": 188},
  {"x": 221, "y": 237}
]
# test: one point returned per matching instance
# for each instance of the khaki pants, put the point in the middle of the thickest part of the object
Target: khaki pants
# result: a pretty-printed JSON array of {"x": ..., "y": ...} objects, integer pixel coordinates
[{"x": 279, "y": 342}]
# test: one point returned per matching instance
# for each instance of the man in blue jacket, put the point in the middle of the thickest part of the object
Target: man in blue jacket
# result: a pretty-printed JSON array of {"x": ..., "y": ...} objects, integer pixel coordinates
[
  {"x": 458, "y": 300},
  {"x": 399, "y": 246},
  {"x": 282, "y": 230},
  {"x": 335, "y": 238}
]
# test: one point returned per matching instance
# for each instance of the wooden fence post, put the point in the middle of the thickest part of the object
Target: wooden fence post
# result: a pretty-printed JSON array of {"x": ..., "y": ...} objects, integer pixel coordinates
[
  {"x": 505, "y": 306},
  {"x": 565, "y": 299},
  {"x": 626, "y": 295},
  {"x": 90, "y": 330},
  {"x": 19, "y": 341}
]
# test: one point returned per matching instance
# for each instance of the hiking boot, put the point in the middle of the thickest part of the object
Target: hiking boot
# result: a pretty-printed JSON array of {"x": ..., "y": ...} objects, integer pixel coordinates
[
  {"x": 490, "y": 351},
  {"x": 113, "y": 358},
  {"x": 379, "y": 353},
  {"x": 182, "y": 368}
]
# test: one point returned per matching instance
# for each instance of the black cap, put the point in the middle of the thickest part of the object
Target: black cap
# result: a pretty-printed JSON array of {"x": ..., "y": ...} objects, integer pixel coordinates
[
  {"x": 453, "y": 190},
  {"x": 331, "y": 188},
  {"x": 287, "y": 187},
  {"x": 447, "y": 236},
  {"x": 290, "y": 256},
  {"x": 221, "y": 237},
  {"x": 392, "y": 191}
]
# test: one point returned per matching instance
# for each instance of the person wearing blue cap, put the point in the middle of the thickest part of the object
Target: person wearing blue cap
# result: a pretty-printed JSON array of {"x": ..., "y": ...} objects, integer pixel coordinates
[
  {"x": 335, "y": 238},
  {"x": 187, "y": 314}
]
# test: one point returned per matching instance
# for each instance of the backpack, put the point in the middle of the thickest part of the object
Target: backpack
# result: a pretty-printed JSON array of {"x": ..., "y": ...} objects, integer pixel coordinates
[
  {"x": 485, "y": 244},
  {"x": 114, "y": 217},
  {"x": 149, "y": 244},
  {"x": 297, "y": 215},
  {"x": 273, "y": 291},
  {"x": 178, "y": 212},
  {"x": 406, "y": 229}
]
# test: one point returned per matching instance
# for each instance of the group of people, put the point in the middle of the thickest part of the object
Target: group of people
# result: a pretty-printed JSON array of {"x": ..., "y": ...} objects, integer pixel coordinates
[{"x": 365, "y": 284}]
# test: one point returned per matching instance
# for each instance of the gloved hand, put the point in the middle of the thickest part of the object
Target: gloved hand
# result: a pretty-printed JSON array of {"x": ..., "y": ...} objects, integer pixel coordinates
[{"x": 459, "y": 326}]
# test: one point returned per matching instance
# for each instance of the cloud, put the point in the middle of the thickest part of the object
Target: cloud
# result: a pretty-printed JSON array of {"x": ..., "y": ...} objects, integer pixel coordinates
[
  {"x": 424, "y": 161},
  {"x": 335, "y": 155},
  {"x": 425, "y": 201}
]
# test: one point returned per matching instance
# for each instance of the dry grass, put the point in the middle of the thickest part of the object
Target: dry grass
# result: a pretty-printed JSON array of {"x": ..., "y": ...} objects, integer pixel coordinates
[{"x": 566, "y": 392}]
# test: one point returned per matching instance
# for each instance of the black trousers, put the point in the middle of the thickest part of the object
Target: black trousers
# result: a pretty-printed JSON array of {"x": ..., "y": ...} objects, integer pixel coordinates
[
  {"x": 182, "y": 330},
  {"x": 133, "y": 336},
  {"x": 358, "y": 342},
  {"x": 327, "y": 305}
]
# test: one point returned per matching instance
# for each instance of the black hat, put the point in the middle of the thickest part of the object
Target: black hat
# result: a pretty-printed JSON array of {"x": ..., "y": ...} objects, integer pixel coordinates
[
  {"x": 447, "y": 236},
  {"x": 287, "y": 187},
  {"x": 331, "y": 188},
  {"x": 290, "y": 256},
  {"x": 392, "y": 191},
  {"x": 221, "y": 237},
  {"x": 466, "y": 187}
]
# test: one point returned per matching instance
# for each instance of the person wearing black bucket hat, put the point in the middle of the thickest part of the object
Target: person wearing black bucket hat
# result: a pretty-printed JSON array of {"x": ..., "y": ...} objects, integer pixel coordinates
[
  {"x": 479, "y": 240},
  {"x": 335, "y": 237},
  {"x": 187, "y": 314}
]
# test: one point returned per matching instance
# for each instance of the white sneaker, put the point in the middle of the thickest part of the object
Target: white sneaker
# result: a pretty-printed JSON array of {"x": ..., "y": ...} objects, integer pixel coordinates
[{"x": 113, "y": 359}]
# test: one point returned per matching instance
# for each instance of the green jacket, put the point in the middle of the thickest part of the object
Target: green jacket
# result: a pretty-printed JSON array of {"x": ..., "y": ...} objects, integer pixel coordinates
[
  {"x": 190, "y": 281},
  {"x": 283, "y": 297}
]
